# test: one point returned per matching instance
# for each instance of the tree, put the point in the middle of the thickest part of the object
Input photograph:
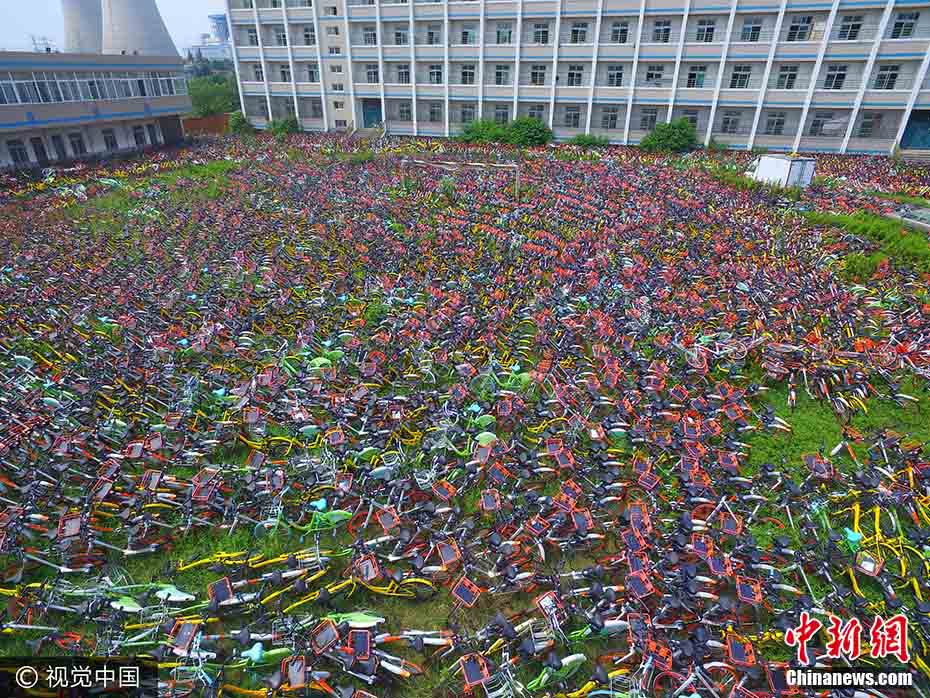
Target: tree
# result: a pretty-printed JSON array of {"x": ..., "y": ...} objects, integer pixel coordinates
[
  {"x": 215, "y": 94},
  {"x": 190, "y": 56}
]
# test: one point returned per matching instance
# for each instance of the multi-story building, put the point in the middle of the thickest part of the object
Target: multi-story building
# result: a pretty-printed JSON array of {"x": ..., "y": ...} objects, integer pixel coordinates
[
  {"x": 841, "y": 75},
  {"x": 58, "y": 107}
]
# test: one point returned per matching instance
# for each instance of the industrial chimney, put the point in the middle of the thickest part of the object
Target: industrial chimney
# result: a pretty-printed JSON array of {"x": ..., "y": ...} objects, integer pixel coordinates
[
  {"x": 135, "y": 27},
  {"x": 83, "y": 26}
]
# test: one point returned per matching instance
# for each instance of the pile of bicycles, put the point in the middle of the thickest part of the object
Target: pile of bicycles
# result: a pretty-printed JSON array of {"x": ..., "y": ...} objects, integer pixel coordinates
[{"x": 314, "y": 424}]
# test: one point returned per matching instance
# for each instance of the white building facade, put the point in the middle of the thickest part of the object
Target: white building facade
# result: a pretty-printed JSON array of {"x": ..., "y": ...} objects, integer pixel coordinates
[
  {"x": 61, "y": 107},
  {"x": 833, "y": 76}
]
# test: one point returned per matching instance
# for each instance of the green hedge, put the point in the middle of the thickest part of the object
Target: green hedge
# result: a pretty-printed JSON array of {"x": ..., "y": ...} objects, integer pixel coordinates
[
  {"x": 674, "y": 137},
  {"x": 524, "y": 131},
  {"x": 239, "y": 125},
  {"x": 585, "y": 141}
]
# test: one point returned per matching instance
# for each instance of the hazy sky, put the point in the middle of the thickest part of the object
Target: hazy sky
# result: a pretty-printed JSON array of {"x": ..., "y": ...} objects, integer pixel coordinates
[{"x": 186, "y": 20}]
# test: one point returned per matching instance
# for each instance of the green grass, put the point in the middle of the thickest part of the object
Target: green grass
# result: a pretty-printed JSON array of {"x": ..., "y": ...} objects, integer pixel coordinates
[
  {"x": 901, "y": 198},
  {"x": 895, "y": 242}
]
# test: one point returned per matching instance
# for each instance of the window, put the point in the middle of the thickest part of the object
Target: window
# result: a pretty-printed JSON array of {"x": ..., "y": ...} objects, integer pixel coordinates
[
  {"x": 138, "y": 136},
  {"x": 579, "y": 33},
  {"x": 335, "y": 51},
  {"x": 575, "y": 75},
  {"x": 433, "y": 35},
  {"x": 800, "y": 28},
  {"x": 153, "y": 133},
  {"x": 887, "y": 77},
  {"x": 775, "y": 123},
  {"x": 251, "y": 37},
  {"x": 647, "y": 118},
  {"x": 404, "y": 112},
  {"x": 468, "y": 74},
  {"x": 371, "y": 73},
  {"x": 904, "y": 24},
  {"x": 572, "y": 117},
  {"x": 338, "y": 104},
  {"x": 787, "y": 77},
  {"x": 504, "y": 33},
  {"x": 536, "y": 111},
  {"x": 615, "y": 75},
  {"x": 313, "y": 73},
  {"x": 739, "y": 79},
  {"x": 502, "y": 75},
  {"x": 435, "y": 112},
  {"x": 309, "y": 36},
  {"x": 285, "y": 73},
  {"x": 537, "y": 74},
  {"x": 835, "y": 77},
  {"x": 109, "y": 140},
  {"x": 691, "y": 116},
  {"x": 58, "y": 144},
  {"x": 338, "y": 87},
  {"x": 540, "y": 33},
  {"x": 655, "y": 74},
  {"x": 696, "y": 75},
  {"x": 662, "y": 31},
  {"x": 330, "y": 10},
  {"x": 341, "y": 123},
  {"x": 619, "y": 32},
  {"x": 18, "y": 152},
  {"x": 821, "y": 118},
  {"x": 870, "y": 125},
  {"x": 435, "y": 74},
  {"x": 403, "y": 73},
  {"x": 77, "y": 144},
  {"x": 752, "y": 29},
  {"x": 469, "y": 35},
  {"x": 730, "y": 122},
  {"x": 609, "y": 117},
  {"x": 401, "y": 37},
  {"x": 332, "y": 30},
  {"x": 259, "y": 73},
  {"x": 501, "y": 113},
  {"x": 369, "y": 36},
  {"x": 280, "y": 36},
  {"x": 705, "y": 30},
  {"x": 467, "y": 113},
  {"x": 316, "y": 109},
  {"x": 335, "y": 68},
  {"x": 850, "y": 26}
]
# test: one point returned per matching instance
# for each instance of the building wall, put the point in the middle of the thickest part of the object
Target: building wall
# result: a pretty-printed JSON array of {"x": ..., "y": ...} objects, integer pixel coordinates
[
  {"x": 86, "y": 99},
  {"x": 841, "y": 53}
]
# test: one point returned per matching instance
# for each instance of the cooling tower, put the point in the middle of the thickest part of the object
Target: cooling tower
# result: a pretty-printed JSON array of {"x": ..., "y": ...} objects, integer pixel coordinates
[
  {"x": 83, "y": 26},
  {"x": 135, "y": 27}
]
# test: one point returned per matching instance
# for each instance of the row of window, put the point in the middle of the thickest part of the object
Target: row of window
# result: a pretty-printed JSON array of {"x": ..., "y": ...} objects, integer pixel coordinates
[
  {"x": 799, "y": 28},
  {"x": 19, "y": 152},
  {"x": 887, "y": 77},
  {"x": 48, "y": 87}
]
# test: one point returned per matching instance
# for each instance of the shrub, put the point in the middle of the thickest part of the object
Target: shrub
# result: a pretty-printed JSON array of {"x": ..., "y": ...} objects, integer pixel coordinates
[
  {"x": 715, "y": 146},
  {"x": 526, "y": 131},
  {"x": 281, "y": 128},
  {"x": 584, "y": 141},
  {"x": 675, "y": 137},
  {"x": 484, "y": 131},
  {"x": 523, "y": 131},
  {"x": 239, "y": 125}
]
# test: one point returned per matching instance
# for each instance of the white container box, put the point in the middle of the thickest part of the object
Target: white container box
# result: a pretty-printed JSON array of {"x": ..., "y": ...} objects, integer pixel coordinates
[{"x": 782, "y": 170}]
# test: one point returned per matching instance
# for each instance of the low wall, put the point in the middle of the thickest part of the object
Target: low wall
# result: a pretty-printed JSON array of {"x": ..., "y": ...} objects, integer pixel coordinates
[{"x": 215, "y": 125}]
